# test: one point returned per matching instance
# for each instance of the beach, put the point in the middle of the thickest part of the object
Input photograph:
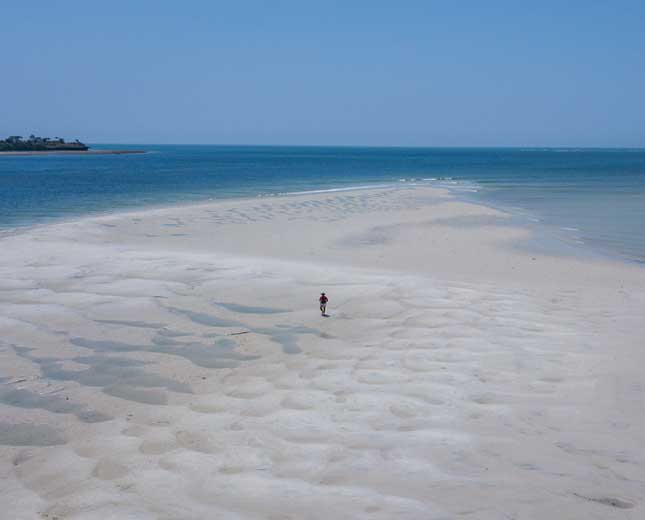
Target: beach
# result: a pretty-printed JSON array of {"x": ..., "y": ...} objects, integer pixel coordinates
[{"x": 172, "y": 363}]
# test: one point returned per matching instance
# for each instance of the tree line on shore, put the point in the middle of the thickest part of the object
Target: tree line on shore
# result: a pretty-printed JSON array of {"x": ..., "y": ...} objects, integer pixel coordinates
[{"x": 17, "y": 143}]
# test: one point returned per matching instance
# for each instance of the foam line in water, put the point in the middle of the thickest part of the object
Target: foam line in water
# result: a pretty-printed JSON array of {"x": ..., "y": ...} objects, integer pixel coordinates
[{"x": 332, "y": 190}]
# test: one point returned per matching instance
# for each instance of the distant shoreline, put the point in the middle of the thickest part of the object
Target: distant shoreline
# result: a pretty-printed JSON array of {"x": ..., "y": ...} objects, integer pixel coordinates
[{"x": 70, "y": 152}]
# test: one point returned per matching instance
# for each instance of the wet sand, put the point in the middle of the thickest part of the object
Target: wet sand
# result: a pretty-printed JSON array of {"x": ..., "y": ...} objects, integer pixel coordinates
[{"x": 173, "y": 364}]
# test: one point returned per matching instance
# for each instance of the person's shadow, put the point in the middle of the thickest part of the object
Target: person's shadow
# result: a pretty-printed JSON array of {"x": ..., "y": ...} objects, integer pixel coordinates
[{"x": 325, "y": 315}]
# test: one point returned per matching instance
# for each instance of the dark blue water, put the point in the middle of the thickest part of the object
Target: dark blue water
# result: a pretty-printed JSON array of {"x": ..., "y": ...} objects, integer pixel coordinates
[{"x": 596, "y": 195}]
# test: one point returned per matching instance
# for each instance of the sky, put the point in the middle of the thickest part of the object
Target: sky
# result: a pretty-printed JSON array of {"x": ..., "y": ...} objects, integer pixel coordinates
[{"x": 371, "y": 73}]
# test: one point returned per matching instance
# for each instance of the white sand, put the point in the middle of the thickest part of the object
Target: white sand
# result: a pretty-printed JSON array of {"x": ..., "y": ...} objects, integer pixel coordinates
[{"x": 457, "y": 375}]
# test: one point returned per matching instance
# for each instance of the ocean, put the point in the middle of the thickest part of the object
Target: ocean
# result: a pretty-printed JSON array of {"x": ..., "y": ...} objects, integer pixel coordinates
[{"x": 591, "y": 198}]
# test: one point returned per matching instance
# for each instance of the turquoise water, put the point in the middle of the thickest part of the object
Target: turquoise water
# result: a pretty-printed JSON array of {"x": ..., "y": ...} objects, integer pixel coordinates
[{"x": 594, "y": 197}]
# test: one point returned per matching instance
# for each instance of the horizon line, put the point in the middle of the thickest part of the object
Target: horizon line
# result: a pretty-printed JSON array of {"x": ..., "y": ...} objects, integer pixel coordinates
[{"x": 480, "y": 147}]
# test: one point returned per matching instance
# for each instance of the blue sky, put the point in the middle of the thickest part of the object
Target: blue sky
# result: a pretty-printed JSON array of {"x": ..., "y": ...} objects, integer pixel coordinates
[{"x": 417, "y": 73}]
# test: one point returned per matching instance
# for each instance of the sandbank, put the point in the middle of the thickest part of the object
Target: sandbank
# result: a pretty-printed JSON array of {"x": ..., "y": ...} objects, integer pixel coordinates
[
  {"x": 173, "y": 364},
  {"x": 69, "y": 152}
]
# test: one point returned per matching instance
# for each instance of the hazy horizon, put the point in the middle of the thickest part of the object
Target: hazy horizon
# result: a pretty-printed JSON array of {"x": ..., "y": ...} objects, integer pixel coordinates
[
  {"x": 357, "y": 74},
  {"x": 351, "y": 145}
]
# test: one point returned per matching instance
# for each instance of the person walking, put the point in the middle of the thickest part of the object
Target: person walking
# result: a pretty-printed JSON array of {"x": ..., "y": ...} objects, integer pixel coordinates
[{"x": 323, "y": 303}]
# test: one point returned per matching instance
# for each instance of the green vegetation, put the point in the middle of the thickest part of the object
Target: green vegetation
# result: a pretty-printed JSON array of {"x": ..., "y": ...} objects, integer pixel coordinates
[{"x": 16, "y": 143}]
